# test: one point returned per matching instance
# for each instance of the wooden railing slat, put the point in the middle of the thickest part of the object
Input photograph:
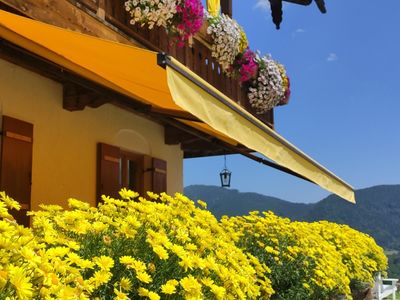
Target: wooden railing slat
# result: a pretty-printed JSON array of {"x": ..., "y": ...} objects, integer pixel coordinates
[{"x": 91, "y": 4}]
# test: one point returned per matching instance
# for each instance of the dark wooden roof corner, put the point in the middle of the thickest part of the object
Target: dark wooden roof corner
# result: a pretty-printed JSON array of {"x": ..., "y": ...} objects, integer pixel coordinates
[
  {"x": 226, "y": 7},
  {"x": 321, "y": 6},
  {"x": 277, "y": 12}
]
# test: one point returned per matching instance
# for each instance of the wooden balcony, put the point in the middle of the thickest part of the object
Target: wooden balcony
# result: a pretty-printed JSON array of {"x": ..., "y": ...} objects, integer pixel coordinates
[{"x": 197, "y": 57}]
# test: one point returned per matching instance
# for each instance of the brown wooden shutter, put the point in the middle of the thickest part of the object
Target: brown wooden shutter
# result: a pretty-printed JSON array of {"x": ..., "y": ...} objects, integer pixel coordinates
[
  {"x": 154, "y": 175},
  {"x": 16, "y": 164},
  {"x": 147, "y": 175},
  {"x": 108, "y": 170},
  {"x": 159, "y": 175}
]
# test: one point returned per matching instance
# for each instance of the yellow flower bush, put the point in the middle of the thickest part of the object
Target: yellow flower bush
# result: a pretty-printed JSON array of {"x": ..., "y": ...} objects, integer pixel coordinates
[
  {"x": 308, "y": 260},
  {"x": 126, "y": 248},
  {"x": 166, "y": 247},
  {"x": 359, "y": 252}
]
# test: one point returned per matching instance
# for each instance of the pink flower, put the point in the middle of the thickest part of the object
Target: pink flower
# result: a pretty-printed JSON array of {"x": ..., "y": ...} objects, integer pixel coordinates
[
  {"x": 246, "y": 66},
  {"x": 189, "y": 19}
]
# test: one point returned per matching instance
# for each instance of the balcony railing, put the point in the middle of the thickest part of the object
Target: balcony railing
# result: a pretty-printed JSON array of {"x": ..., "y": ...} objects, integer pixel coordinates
[{"x": 197, "y": 57}]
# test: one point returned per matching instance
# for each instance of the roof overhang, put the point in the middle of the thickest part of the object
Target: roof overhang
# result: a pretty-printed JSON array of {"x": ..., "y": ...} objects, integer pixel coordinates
[{"x": 134, "y": 73}]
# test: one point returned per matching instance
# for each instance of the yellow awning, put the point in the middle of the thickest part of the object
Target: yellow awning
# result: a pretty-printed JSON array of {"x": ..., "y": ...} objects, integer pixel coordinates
[
  {"x": 129, "y": 70},
  {"x": 134, "y": 72},
  {"x": 229, "y": 118}
]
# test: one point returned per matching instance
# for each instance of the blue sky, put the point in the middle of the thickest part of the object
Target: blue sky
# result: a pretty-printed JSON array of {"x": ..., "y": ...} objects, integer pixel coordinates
[{"x": 345, "y": 105}]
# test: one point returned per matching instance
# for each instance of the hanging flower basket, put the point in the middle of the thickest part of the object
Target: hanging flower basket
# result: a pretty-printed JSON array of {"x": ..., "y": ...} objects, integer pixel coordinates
[
  {"x": 180, "y": 18},
  {"x": 227, "y": 40},
  {"x": 267, "y": 90}
]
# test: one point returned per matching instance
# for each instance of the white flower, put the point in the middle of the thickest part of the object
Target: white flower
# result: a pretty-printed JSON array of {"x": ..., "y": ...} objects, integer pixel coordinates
[
  {"x": 225, "y": 33},
  {"x": 151, "y": 12},
  {"x": 268, "y": 89}
]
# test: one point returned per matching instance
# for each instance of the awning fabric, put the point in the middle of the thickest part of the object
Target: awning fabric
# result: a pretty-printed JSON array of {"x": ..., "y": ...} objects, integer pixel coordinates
[
  {"x": 254, "y": 135},
  {"x": 134, "y": 72},
  {"x": 129, "y": 70}
]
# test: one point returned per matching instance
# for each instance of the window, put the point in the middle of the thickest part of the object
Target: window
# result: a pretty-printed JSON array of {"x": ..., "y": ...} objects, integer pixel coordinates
[
  {"x": 117, "y": 169},
  {"x": 131, "y": 170}
]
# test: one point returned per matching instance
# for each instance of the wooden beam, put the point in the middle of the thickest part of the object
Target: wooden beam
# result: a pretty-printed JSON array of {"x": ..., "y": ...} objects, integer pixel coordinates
[
  {"x": 198, "y": 145},
  {"x": 93, "y": 5},
  {"x": 191, "y": 144},
  {"x": 175, "y": 136},
  {"x": 226, "y": 7},
  {"x": 76, "y": 97},
  {"x": 198, "y": 154},
  {"x": 8, "y": 8},
  {"x": 200, "y": 148},
  {"x": 180, "y": 114}
]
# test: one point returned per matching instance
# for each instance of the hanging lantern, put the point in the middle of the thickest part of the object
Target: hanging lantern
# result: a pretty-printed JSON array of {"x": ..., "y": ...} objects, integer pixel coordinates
[{"x": 225, "y": 176}]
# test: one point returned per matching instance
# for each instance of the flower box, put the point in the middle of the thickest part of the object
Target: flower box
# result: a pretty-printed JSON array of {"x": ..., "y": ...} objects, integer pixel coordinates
[{"x": 202, "y": 35}]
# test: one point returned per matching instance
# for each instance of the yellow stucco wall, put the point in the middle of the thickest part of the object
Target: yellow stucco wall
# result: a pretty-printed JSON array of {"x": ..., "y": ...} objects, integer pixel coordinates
[{"x": 64, "y": 143}]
